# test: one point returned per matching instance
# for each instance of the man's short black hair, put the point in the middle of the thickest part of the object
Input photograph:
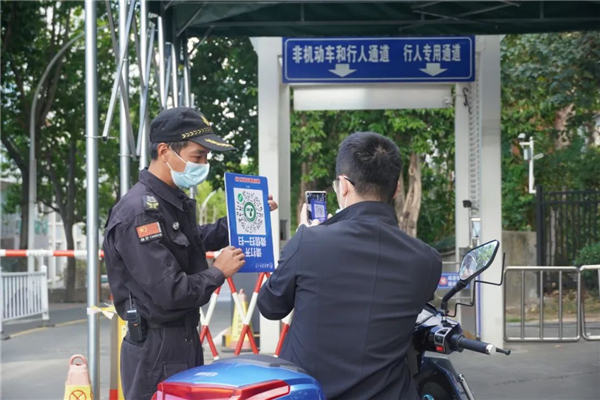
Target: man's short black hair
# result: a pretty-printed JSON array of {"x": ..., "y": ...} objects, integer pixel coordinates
[
  {"x": 176, "y": 146},
  {"x": 372, "y": 162}
]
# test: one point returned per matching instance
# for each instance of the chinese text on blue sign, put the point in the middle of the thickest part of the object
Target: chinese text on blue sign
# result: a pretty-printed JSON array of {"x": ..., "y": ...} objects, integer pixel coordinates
[
  {"x": 250, "y": 220},
  {"x": 391, "y": 59},
  {"x": 448, "y": 280}
]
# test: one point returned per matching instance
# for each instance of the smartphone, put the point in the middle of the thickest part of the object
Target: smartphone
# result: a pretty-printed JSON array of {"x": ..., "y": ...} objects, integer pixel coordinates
[{"x": 316, "y": 205}]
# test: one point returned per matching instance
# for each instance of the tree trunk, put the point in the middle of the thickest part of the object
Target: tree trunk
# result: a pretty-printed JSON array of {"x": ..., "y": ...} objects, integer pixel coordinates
[
  {"x": 560, "y": 122},
  {"x": 304, "y": 186},
  {"x": 23, "y": 243},
  {"x": 408, "y": 205},
  {"x": 400, "y": 199},
  {"x": 71, "y": 262}
]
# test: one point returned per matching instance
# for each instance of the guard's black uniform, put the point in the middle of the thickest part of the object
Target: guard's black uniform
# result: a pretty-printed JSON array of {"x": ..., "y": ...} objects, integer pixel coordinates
[
  {"x": 155, "y": 253},
  {"x": 154, "y": 249}
]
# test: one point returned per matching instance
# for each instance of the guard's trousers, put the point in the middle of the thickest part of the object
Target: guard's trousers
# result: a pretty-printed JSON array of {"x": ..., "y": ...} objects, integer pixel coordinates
[{"x": 165, "y": 352}]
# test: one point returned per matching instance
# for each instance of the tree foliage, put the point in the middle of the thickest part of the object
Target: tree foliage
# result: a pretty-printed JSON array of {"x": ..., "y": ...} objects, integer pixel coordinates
[
  {"x": 550, "y": 86},
  {"x": 428, "y": 134},
  {"x": 32, "y": 34},
  {"x": 225, "y": 83}
]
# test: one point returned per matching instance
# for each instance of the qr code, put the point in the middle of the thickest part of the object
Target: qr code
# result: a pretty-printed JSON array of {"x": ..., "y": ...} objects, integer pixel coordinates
[
  {"x": 249, "y": 212},
  {"x": 319, "y": 210}
]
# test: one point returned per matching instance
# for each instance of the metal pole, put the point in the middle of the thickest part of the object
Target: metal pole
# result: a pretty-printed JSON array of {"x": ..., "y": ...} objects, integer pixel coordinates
[
  {"x": 32, "y": 186},
  {"x": 531, "y": 161},
  {"x": 539, "y": 230},
  {"x": 201, "y": 41},
  {"x": 579, "y": 302},
  {"x": 145, "y": 79},
  {"x": 187, "y": 95},
  {"x": 53, "y": 247},
  {"x": 91, "y": 128},
  {"x": 560, "y": 305},
  {"x": 189, "y": 21},
  {"x": 2, "y": 337},
  {"x": 181, "y": 92},
  {"x": 186, "y": 75},
  {"x": 205, "y": 203},
  {"x": 144, "y": 108},
  {"x": 168, "y": 81},
  {"x": 32, "y": 160},
  {"x": 522, "y": 304},
  {"x": 161, "y": 62},
  {"x": 541, "y": 304},
  {"x": 174, "y": 63},
  {"x": 115, "y": 89},
  {"x": 123, "y": 44}
]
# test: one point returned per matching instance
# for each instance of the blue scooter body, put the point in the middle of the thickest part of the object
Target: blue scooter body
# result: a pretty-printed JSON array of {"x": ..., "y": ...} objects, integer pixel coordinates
[{"x": 249, "y": 370}]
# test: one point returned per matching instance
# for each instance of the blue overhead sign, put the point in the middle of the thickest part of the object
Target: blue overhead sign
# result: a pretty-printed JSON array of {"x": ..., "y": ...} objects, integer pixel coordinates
[{"x": 385, "y": 59}]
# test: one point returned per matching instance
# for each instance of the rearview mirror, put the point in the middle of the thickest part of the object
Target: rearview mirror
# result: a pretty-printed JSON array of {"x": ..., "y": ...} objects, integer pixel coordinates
[{"x": 478, "y": 260}]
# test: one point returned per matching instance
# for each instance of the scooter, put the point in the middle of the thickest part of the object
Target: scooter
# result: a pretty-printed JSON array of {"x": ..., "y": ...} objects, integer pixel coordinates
[
  {"x": 435, "y": 334},
  {"x": 261, "y": 377}
]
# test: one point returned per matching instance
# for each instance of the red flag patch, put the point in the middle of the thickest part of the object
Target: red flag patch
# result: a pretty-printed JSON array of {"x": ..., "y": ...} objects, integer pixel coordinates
[{"x": 149, "y": 232}]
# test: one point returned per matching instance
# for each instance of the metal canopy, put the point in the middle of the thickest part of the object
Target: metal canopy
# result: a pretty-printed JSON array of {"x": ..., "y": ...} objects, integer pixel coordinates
[{"x": 361, "y": 18}]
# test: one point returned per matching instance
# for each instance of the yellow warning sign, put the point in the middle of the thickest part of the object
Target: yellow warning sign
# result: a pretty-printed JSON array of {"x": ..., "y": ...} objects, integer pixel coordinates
[
  {"x": 77, "y": 385},
  {"x": 237, "y": 324}
]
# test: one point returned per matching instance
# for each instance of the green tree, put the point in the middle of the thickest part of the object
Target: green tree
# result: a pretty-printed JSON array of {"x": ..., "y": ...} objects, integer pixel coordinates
[
  {"x": 549, "y": 92},
  {"x": 32, "y": 33},
  {"x": 27, "y": 47},
  {"x": 427, "y": 147},
  {"x": 225, "y": 82}
]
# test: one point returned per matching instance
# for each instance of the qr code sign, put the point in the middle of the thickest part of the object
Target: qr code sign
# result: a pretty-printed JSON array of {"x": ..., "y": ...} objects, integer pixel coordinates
[
  {"x": 249, "y": 212},
  {"x": 319, "y": 210}
]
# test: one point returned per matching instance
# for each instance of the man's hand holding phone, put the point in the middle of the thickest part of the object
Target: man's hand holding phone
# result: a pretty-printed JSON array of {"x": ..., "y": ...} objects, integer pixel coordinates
[{"x": 304, "y": 217}]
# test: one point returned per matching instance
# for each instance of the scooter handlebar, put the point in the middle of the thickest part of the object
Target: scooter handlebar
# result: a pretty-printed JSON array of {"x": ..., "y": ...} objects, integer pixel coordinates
[{"x": 461, "y": 342}]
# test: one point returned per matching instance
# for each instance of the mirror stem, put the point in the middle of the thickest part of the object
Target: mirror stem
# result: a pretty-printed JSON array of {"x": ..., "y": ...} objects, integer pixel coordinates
[{"x": 460, "y": 285}]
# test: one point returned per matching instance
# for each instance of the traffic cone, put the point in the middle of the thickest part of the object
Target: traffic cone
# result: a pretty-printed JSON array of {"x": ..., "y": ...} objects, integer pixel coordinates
[
  {"x": 77, "y": 386},
  {"x": 237, "y": 324}
]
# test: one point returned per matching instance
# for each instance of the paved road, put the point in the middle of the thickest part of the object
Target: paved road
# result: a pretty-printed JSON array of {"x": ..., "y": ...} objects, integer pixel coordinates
[
  {"x": 34, "y": 363},
  {"x": 548, "y": 371}
]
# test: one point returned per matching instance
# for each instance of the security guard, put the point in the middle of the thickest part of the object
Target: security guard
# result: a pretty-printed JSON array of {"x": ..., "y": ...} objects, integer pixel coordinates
[{"x": 156, "y": 254}]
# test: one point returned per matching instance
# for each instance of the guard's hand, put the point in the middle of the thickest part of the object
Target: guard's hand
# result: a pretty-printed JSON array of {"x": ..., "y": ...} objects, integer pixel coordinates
[
  {"x": 272, "y": 203},
  {"x": 230, "y": 261}
]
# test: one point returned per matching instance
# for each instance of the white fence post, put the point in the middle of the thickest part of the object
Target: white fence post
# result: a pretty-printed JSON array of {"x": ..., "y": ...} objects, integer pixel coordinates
[
  {"x": 23, "y": 294},
  {"x": 1, "y": 305},
  {"x": 45, "y": 306}
]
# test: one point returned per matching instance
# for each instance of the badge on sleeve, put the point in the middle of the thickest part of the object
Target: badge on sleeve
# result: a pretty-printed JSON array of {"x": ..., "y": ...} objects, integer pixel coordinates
[
  {"x": 150, "y": 203},
  {"x": 149, "y": 232}
]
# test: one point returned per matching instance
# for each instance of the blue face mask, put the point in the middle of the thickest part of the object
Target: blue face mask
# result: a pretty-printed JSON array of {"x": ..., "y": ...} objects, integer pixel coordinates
[{"x": 193, "y": 174}]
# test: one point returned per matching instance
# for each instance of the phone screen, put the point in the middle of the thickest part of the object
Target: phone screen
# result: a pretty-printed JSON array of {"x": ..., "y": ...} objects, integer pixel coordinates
[{"x": 317, "y": 206}]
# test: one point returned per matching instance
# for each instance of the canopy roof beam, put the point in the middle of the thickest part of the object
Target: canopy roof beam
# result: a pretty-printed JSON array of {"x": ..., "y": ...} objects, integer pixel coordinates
[
  {"x": 189, "y": 21},
  {"x": 496, "y": 21}
]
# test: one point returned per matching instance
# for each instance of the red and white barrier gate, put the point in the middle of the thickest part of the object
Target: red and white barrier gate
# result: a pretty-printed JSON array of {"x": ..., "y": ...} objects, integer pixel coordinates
[
  {"x": 204, "y": 319},
  {"x": 286, "y": 322},
  {"x": 47, "y": 253},
  {"x": 246, "y": 317}
]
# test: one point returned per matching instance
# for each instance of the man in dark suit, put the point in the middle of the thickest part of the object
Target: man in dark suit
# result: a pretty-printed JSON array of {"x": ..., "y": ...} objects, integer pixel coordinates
[{"x": 356, "y": 282}]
